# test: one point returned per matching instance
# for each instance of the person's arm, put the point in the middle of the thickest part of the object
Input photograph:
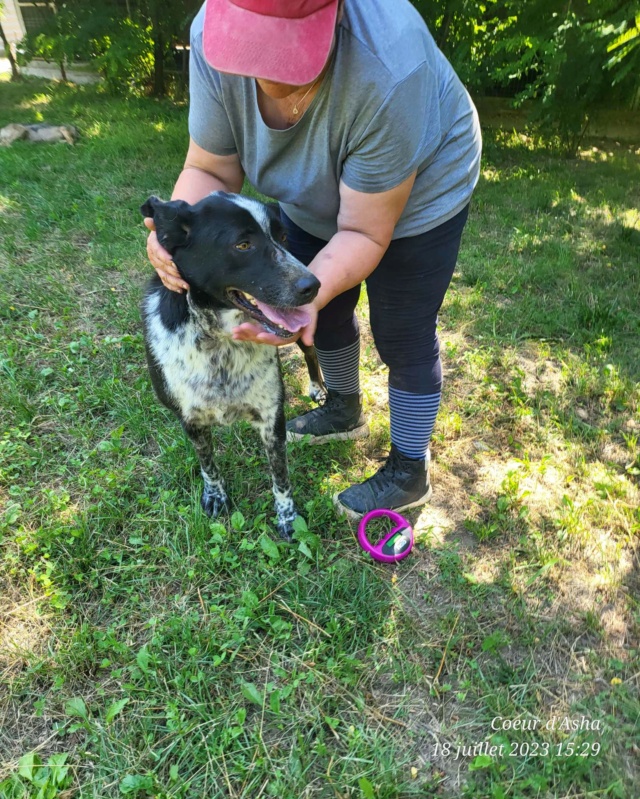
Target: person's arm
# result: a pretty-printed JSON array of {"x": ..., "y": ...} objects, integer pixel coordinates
[
  {"x": 365, "y": 226},
  {"x": 204, "y": 172},
  {"x": 201, "y": 174}
]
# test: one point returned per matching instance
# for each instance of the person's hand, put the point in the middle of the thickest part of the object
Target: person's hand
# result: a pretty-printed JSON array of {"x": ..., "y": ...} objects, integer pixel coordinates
[
  {"x": 162, "y": 263},
  {"x": 253, "y": 331}
]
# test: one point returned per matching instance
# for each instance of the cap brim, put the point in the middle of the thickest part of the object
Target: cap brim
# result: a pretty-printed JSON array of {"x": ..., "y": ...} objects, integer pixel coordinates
[{"x": 290, "y": 51}]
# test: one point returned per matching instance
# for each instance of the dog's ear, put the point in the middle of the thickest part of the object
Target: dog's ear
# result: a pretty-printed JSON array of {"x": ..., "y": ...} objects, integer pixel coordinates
[
  {"x": 273, "y": 209},
  {"x": 148, "y": 208},
  {"x": 172, "y": 219}
]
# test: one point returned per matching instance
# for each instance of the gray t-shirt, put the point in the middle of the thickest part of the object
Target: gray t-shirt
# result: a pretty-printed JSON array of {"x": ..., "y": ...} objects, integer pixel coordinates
[{"x": 390, "y": 104}]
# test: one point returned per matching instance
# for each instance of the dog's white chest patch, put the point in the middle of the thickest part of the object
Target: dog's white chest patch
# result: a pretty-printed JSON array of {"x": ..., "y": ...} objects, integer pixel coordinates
[{"x": 212, "y": 379}]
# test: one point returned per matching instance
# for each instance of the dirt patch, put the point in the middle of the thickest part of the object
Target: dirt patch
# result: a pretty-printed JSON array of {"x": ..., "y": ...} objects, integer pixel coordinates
[{"x": 24, "y": 636}]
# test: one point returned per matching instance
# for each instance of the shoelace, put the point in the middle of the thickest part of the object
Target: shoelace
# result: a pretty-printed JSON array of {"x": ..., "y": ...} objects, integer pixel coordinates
[
  {"x": 328, "y": 405},
  {"x": 385, "y": 476}
]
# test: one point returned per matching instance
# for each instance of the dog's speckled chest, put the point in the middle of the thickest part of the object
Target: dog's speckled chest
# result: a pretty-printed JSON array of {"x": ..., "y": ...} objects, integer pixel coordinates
[{"x": 208, "y": 376}]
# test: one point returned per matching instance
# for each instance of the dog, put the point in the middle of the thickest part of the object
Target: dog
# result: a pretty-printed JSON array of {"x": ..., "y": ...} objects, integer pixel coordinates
[
  {"x": 230, "y": 249},
  {"x": 39, "y": 132}
]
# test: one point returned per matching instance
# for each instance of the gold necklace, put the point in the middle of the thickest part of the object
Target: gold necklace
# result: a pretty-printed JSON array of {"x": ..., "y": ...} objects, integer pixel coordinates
[{"x": 295, "y": 110}]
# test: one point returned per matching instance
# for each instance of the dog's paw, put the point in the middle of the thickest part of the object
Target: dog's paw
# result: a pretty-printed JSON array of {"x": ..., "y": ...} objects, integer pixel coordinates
[
  {"x": 214, "y": 502},
  {"x": 285, "y": 515},
  {"x": 317, "y": 392},
  {"x": 285, "y": 529}
]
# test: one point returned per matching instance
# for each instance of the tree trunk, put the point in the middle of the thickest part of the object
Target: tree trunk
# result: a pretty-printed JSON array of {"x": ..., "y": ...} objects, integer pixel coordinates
[
  {"x": 158, "y": 65},
  {"x": 444, "y": 28},
  {"x": 158, "y": 51},
  {"x": 15, "y": 75}
]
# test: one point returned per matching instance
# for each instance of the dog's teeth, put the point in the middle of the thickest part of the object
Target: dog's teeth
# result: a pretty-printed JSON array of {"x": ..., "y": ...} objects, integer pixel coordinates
[{"x": 249, "y": 299}]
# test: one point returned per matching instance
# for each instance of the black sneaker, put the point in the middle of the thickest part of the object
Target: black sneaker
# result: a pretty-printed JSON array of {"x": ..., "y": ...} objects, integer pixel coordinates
[
  {"x": 400, "y": 484},
  {"x": 340, "y": 418}
]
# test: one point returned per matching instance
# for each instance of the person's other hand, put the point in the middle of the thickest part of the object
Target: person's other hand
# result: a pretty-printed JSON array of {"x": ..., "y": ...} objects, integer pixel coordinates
[
  {"x": 252, "y": 331},
  {"x": 161, "y": 261}
]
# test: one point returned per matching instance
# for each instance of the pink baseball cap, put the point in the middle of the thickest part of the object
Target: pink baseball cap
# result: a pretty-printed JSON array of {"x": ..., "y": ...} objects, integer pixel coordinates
[{"x": 286, "y": 41}]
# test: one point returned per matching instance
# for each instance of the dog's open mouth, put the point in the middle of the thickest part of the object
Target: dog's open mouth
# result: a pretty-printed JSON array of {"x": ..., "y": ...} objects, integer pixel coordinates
[{"x": 283, "y": 322}]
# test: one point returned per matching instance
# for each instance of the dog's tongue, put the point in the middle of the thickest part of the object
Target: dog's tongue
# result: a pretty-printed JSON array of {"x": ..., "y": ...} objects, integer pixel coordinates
[{"x": 292, "y": 319}]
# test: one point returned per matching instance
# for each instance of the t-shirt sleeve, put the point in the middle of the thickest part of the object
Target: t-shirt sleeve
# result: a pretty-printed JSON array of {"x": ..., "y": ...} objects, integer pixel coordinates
[
  {"x": 208, "y": 121},
  {"x": 402, "y": 133}
]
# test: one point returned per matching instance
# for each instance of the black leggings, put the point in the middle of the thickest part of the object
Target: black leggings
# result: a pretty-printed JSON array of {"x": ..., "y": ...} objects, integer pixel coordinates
[{"x": 405, "y": 293}]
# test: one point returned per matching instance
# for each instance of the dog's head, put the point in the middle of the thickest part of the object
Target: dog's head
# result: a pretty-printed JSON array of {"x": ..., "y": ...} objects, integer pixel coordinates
[{"x": 231, "y": 251}]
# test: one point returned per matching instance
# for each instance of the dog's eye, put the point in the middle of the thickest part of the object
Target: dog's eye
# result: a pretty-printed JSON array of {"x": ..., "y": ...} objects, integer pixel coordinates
[
  {"x": 283, "y": 238},
  {"x": 243, "y": 245}
]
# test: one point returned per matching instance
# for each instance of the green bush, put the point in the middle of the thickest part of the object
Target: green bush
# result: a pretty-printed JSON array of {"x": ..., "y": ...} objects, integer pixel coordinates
[
  {"x": 124, "y": 57},
  {"x": 128, "y": 45}
]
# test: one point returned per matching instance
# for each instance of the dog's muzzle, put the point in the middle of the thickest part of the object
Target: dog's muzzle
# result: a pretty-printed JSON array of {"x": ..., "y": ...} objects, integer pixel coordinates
[{"x": 282, "y": 322}]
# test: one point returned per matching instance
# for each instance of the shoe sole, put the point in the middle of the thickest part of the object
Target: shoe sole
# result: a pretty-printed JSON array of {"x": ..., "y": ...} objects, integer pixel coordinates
[
  {"x": 354, "y": 516},
  {"x": 348, "y": 435}
]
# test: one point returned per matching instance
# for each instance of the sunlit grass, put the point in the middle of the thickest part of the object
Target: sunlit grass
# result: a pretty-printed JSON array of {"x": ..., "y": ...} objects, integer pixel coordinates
[
  {"x": 6, "y": 204},
  {"x": 35, "y": 103}
]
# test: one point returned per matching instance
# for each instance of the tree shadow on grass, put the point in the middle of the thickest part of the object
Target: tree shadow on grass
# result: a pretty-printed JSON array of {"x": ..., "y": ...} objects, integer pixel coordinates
[{"x": 551, "y": 250}]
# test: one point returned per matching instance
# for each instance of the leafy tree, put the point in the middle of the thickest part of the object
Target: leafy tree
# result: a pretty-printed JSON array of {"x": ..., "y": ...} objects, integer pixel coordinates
[
  {"x": 624, "y": 63},
  {"x": 15, "y": 74},
  {"x": 55, "y": 42},
  {"x": 128, "y": 43},
  {"x": 466, "y": 32},
  {"x": 567, "y": 58},
  {"x": 563, "y": 55}
]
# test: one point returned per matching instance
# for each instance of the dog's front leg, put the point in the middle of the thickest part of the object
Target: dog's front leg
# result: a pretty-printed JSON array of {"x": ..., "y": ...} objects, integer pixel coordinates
[
  {"x": 317, "y": 388},
  {"x": 273, "y": 433},
  {"x": 214, "y": 497}
]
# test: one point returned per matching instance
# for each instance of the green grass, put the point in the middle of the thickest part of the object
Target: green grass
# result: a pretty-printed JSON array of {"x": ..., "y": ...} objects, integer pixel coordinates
[{"x": 147, "y": 651}]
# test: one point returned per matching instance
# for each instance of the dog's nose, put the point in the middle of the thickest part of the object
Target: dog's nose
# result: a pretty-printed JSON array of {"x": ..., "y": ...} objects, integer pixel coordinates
[{"x": 307, "y": 287}]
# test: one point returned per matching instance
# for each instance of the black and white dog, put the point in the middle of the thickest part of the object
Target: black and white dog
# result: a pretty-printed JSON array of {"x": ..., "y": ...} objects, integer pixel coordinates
[{"x": 230, "y": 250}]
